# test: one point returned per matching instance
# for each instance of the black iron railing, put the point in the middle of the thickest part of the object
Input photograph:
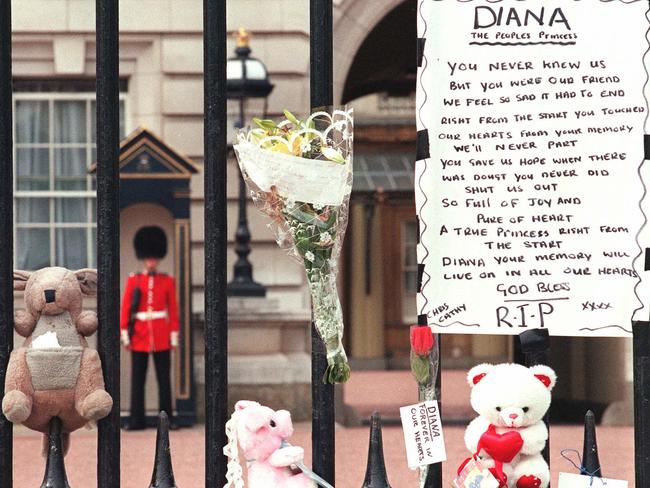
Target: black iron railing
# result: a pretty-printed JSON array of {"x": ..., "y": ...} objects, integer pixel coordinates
[
  {"x": 108, "y": 234},
  {"x": 641, "y": 366},
  {"x": 6, "y": 235},
  {"x": 322, "y": 95},
  {"x": 434, "y": 475},
  {"x": 216, "y": 300}
]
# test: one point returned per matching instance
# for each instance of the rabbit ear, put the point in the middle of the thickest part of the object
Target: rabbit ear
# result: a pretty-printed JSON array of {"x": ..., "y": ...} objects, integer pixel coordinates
[
  {"x": 254, "y": 419},
  {"x": 20, "y": 279},
  {"x": 242, "y": 404}
]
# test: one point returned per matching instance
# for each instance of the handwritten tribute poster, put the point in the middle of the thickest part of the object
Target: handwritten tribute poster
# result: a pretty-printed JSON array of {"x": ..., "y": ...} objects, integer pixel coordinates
[{"x": 530, "y": 145}]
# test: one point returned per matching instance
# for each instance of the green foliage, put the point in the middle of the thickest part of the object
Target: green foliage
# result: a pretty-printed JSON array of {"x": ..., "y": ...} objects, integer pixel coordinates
[
  {"x": 292, "y": 118},
  {"x": 266, "y": 124},
  {"x": 337, "y": 372},
  {"x": 420, "y": 368}
]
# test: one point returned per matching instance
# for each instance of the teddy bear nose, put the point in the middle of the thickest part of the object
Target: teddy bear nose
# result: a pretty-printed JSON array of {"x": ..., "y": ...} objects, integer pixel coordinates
[
  {"x": 50, "y": 296},
  {"x": 513, "y": 415}
]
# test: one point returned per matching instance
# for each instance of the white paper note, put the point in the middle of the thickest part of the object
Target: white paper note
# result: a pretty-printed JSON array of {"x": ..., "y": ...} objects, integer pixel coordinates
[
  {"x": 568, "y": 480},
  {"x": 425, "y": 443}
]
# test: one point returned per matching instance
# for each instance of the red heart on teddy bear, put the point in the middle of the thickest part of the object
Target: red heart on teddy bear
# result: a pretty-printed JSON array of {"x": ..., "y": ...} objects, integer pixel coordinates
[{"x": 501, "y": 447}]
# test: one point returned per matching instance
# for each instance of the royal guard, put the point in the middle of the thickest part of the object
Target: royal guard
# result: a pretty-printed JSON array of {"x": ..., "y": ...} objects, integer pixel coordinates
[{"x": 149, "y": 324}]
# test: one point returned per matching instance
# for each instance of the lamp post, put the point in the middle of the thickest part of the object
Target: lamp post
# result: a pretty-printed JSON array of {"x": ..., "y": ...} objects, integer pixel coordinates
[{"x": 247, "y": 78}]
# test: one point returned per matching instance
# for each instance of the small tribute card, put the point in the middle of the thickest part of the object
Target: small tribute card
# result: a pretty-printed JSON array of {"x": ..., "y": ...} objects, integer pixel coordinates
[
  {"x": 475, "y": 475},
  {"x": 568, "y": 480},
  {"x": 422, "y": 426}
]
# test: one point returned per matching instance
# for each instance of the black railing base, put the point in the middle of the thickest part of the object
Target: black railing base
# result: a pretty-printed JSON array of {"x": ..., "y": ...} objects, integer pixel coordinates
[{"x": 55, "y": 476}]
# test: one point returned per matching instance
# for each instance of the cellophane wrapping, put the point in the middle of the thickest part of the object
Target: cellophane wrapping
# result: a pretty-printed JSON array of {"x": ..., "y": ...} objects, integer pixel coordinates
[
  {"x": 424, "y": 366},
  {"x": 300, "y": 175},
  {"x": 427, "y": 392}
]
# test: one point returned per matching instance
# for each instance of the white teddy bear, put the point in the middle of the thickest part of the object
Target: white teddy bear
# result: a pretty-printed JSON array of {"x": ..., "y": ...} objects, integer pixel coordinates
[{"x": 509, "y": 433}]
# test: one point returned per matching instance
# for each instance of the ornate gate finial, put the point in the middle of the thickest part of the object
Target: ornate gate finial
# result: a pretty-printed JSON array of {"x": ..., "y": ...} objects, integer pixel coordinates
[
  {"x": 163, "y": 474},
  {"x": 590, "y": 461},
  {"x": 376, "y": 469}
]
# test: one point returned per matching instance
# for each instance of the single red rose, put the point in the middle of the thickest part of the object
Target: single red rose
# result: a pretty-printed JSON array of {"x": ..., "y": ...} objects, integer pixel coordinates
[{"x": 421, "y": 340}]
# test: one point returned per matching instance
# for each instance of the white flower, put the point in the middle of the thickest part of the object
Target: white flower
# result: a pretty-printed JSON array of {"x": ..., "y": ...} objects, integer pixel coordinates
[
  {"x": 305, "y": 146},
  {"x": 317, "y": 206},
  {"x": 309, "y": 256},
  {"x": 333, "y": 155},
  {"x": 325, "y": 238}
]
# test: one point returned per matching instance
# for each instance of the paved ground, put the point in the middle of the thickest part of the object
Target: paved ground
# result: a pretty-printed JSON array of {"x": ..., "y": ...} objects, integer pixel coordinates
[
  {"x": 386, "y": 391},
  {"x": 188, "y": 456}
]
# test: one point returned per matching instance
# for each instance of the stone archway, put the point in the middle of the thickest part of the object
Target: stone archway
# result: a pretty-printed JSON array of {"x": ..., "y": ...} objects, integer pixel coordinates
[{"x": 353, "y": 23}]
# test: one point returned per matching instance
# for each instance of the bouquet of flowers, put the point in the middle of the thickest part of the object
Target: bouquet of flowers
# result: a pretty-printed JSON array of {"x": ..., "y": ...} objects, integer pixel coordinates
[
  {"x": 424, "y": 366},
  {"x": 299, "y": 173}
]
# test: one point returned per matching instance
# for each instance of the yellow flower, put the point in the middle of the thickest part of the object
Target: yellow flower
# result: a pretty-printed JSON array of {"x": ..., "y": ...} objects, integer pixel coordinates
[
  {"x": 281, "y": 148},
  {"x": 297, "y": 146}
]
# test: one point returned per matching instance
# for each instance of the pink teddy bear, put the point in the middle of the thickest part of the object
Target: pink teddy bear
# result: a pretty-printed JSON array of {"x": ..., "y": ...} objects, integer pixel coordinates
[{"x": 260, "y": 432}]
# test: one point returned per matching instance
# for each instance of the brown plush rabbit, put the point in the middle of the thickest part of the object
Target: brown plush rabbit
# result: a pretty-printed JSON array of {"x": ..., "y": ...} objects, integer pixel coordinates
[{"x": 54, "y": 373}]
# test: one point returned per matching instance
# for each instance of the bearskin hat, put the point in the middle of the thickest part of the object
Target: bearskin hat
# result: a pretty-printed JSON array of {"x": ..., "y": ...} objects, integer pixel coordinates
[{"x": 150, "y": 242}]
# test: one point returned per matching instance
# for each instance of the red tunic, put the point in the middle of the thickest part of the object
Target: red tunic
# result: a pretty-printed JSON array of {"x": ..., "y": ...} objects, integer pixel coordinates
[{"x": 157, "y": 309}]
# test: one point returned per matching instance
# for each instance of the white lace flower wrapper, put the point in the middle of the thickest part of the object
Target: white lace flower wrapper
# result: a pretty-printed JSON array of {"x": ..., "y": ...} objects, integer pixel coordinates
[
  {"x": 235, "y": 472},
  {"x": 300, "y": 175}
]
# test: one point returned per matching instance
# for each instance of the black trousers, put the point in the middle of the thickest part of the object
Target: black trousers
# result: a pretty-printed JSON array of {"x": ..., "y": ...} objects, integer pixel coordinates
[{"x": 139, "y": 363}]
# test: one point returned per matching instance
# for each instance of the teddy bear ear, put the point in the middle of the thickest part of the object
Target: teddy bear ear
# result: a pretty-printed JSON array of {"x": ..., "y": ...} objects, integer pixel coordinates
[
  {"x": 242, "y": 404},
  {"x": 87, "y": 281},
  {"x": 545, "y": 374},
  {"x": 20, "y": 279},
  {"x": 477, "y": 373}
]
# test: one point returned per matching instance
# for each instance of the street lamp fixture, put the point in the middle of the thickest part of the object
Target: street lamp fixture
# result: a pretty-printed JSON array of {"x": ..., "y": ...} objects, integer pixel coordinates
[{"x": 247, "y": 78}]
